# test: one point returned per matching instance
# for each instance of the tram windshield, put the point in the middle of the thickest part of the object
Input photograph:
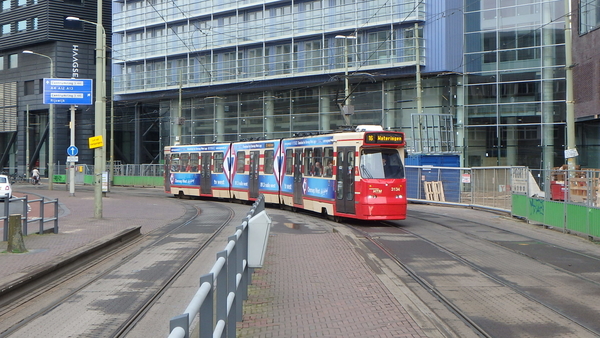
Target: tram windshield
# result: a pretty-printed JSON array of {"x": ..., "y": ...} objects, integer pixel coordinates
[{"x": 381, "y": 163}]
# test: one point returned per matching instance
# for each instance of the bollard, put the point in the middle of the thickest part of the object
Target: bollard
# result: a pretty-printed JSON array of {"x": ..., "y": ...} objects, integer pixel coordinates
[{"x": 15, "y": 235}]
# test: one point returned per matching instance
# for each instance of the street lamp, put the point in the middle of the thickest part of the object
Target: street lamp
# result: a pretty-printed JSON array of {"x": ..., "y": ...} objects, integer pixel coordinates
[
  {"x": 50, "y": 128},
  {"x": 99, "y": 107},
  {"x": 346, "y": 106}
]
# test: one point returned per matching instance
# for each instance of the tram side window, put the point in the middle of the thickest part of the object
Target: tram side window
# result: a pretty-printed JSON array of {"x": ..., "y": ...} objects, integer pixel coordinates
[
  {"x": 318, "y": 158},
  {"x": 350, "y": 159},
  {"x": 218, "y": 162},
  {"x": 351, "y": 163},
  {"x": 174, "y": 162},
  {"x": 268, "y": 167},
  {"x": 194, "y": 162},
  {"x": 241, "y": 160},
  {"x": 289, "y": 162},
  {"x": 327, "y": 162},
  {"x": 340, "y": 178},
  {"x": 185, "y": 162},
  {"x": 308, "y": 162}
]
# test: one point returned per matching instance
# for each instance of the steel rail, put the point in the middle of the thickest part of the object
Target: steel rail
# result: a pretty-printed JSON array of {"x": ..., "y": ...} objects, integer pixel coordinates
[
  {"x": 423, "y": 283},
  {"x": 135, "y": 318}
]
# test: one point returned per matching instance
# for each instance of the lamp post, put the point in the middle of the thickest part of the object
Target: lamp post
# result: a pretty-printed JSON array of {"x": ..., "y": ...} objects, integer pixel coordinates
[
  {"x": 50, "y": 128},
  {"x": 346, "y": 106},
  {"x": 99, "y": 107}
]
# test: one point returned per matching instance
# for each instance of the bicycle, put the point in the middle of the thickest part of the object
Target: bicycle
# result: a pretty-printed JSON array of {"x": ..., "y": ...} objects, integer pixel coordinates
[
  {"x": 14, "y": 177},
  {"x": 21, "y": 178}
]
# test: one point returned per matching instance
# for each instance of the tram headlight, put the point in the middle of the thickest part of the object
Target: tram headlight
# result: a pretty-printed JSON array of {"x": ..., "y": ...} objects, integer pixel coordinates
[
  {"x": 371, "y": 196},
  {"x": 399, "y": 196}
]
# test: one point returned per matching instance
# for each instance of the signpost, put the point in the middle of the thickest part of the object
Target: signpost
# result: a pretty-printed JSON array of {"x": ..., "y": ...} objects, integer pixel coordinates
[
  {"x": 72, "y": 151},
  {"x": 71, "y": 92},
  {"x": 96, "y": 142},
  {"x": 68, "y": 91}
]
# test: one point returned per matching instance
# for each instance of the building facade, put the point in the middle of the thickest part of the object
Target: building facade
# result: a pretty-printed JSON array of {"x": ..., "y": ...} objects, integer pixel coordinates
[
  {"x": 514, "y": 62},
  {"x": 586, "y": 68},
  {"x": 484, "y": 79},
  {"x": 246, "y": 69},
  {"x": 211, "y": 72},
  {"x": 239, "y": 69},
  {"x": 61, "y": 49}
]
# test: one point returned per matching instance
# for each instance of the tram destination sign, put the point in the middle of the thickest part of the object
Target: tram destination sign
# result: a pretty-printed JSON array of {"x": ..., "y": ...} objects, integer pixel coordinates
[
  {"x": 68, "y": 91},
  {"x": 384, "y": 138}
]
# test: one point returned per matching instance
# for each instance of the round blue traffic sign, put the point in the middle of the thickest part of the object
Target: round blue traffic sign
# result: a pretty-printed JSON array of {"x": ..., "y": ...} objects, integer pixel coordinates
[{"x": 72, "y": 151}]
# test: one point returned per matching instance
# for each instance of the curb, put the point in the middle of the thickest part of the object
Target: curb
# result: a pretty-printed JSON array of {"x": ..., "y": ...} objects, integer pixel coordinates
[{"x": 21, "y": 279}]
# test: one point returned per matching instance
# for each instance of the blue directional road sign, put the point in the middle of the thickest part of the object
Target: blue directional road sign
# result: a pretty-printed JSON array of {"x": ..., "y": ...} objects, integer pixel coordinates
[
  {"x": 72, "y": 151},
  {"x": 68, "y": 91}
]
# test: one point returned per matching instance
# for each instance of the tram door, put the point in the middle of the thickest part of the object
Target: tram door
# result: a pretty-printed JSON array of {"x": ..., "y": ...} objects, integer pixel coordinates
[
  {"x": 167, "y": 173},
  {"x": 253, "y": 174},
  {"x": 205, "y": 174},
  {"x": 345, "y": 180},
  {"x": 298, "y": 180}
]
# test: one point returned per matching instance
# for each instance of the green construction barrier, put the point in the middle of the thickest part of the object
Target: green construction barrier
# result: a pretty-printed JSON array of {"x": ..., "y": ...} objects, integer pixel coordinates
[
  {"x": 519, "y": 205},
  {"x": 594, "y": 220},
  {"x": 577, "y": 219},
  {"x": 554, "y": 214},
  {"x": 536, "y": 210},
  {"x": 88, "y": 179},
  {"x": 139, "y": 181}
]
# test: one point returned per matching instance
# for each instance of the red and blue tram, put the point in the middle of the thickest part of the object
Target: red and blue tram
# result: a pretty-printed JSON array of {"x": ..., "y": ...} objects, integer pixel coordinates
[{"x": 357, "y": 174}]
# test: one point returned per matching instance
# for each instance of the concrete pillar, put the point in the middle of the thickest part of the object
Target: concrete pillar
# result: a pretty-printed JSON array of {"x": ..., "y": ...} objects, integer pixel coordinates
[
  {"x": 547, "y": 91},
  {"x": 269, "y": 114},
  {"x": 511, "y": 141},
  {"x": 324, "y": 109},
  {"x": 389, "y": 105},
  {"x": 137, "y": 132},
  {"x": 460, "y": 120},
  {"x": 220, "y": 118},
  {"x": 15, "y": 234}
]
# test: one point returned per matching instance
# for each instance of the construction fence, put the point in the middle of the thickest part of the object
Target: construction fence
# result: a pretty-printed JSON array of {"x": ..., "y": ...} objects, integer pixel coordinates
[
  {"x": 488, "y": 187},
  {"x": 565, "y": 199}
]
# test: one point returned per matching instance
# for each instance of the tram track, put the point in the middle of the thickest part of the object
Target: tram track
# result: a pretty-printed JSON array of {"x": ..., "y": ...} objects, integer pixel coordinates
[
  {"x": 501, "y": 281},
  {"x": 595, "y": 259},
  {"x": 490, "y": 276},
  {"x": 423, "y": 282},
  {"x": 471, "y": 230},
  {"x": 68, "y": 283},
  {"x": 134, "y": 319}
]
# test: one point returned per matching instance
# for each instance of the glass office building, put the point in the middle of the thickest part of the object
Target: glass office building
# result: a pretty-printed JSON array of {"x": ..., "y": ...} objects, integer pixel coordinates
[
  {"x": 225, "y": 70},
  {"x": 514, "y": 67},
  {"x": 489, "y": 72}
]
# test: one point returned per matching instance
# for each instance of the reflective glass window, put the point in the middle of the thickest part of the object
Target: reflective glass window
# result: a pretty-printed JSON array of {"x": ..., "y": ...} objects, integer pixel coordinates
[{"x": 589, "y": 15}]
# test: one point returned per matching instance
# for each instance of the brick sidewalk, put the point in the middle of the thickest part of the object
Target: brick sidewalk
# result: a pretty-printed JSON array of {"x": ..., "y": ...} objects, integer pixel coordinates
[{"x": 315, "y": 285}]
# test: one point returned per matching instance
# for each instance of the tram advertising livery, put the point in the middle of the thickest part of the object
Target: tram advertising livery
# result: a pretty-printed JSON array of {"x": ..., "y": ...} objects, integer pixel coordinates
[{"x": 357, "y": 174}]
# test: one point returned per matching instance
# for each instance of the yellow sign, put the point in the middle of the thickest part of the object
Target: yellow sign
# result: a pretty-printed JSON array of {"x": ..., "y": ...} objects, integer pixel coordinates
[{"x": 96, "y": 142}]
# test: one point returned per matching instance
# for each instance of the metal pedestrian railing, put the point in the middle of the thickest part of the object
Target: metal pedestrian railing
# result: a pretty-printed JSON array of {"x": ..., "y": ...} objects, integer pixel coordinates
[
  {"x": 219, "y": 300},
  {"x": 41, "y": 218}
]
